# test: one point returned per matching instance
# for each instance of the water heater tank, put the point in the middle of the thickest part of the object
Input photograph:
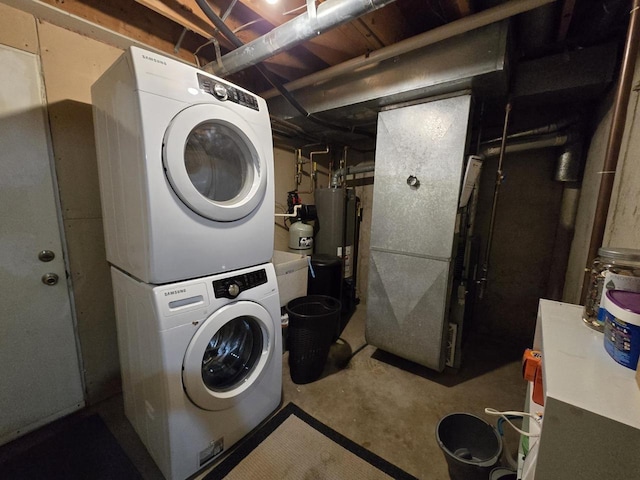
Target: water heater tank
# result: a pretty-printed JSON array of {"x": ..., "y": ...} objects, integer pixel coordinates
[
  {"x": 301, "y": 238},
  {"x": 337, "y": 209}
]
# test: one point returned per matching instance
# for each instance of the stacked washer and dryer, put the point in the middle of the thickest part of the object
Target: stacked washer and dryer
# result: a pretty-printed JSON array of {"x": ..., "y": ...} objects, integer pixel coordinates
[{"x": 186, "y": 177}]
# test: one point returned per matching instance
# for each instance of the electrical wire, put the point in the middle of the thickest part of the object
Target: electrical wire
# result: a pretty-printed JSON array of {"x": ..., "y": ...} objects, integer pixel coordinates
[
  {"x": 537, "y": 419},
  {"x": 297, "y": 9}
]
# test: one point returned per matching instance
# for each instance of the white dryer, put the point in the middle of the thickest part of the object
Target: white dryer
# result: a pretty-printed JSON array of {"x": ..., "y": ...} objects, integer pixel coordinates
[
  {"x": 185, "y": 162},
  {"x": 201, "y": 362}
]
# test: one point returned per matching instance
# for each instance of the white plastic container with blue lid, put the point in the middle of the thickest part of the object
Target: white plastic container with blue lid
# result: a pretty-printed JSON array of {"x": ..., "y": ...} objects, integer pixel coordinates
[{"x": 622, "y": 327}]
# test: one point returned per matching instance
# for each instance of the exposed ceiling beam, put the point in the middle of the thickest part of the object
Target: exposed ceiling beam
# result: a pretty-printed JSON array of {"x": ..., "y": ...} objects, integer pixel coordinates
[
  {"x": 565, "y": 19},
  {"x": 125, "y": 18},
  {"x": 458, "y": 8},
  {"x": 182, "y": 16},
  {"x": 387, "y": 24}
]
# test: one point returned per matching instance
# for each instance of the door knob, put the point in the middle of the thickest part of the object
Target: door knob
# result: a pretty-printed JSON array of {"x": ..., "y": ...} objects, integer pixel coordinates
[
  {"x": 46, "y": 255},
  {"x": 50, "y": 279}
]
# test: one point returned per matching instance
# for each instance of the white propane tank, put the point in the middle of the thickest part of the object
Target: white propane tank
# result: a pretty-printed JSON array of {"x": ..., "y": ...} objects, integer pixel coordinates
[{"x": 301, "y": 238}]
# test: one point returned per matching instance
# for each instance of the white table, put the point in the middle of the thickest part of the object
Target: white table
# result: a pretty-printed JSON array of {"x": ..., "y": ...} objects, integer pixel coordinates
[{"x": 591, "y": 425}]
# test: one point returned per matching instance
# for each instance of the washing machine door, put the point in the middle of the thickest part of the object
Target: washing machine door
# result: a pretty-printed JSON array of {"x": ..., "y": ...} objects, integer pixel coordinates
[
  {"x": 227, "y": 355},
  {"x": 214, "y": 162}
]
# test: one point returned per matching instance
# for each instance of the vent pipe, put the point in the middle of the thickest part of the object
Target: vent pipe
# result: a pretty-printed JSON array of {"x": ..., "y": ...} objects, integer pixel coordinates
[{"x": 328, "y": 15}]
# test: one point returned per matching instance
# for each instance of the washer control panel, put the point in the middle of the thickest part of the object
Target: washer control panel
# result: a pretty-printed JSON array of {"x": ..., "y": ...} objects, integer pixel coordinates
[
  {"x": 223, "y": 92},
  {"x": 232, "y": 287}
]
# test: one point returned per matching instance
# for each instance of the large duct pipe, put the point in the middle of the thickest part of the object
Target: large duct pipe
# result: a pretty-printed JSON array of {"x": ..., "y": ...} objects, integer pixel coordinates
[
  {"x": 449, "y": 30},
  {"x": 329, "y": 14},
  {"x": 562, "y": 244},
  {"x": 621, "y": 103}
]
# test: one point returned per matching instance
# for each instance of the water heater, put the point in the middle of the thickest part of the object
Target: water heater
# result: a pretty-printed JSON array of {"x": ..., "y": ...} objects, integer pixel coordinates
[{"x": 337, "y": 235}]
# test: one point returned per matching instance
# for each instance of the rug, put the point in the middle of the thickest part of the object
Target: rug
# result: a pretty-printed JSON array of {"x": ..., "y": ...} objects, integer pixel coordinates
[
  {"x": 84, "y": 450},
  {"x": 293, "y": 445}
]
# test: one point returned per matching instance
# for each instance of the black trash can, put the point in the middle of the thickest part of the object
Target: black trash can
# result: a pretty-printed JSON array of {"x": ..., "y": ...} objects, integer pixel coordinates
[
  {"x": 325, "y": 278},
  {"x": 325, "y": 275},
  {"x": 470, "y": 445},
  {"x": 312, "y": 323}
]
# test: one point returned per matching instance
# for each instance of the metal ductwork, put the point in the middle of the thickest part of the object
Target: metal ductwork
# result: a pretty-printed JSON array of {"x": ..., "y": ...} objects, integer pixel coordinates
[
  {"x": 569, "y": 166},
  {"x": 328, "y": 15},
  {"x": 475, "y": 61},
  {"x": 431, "y": 37}
]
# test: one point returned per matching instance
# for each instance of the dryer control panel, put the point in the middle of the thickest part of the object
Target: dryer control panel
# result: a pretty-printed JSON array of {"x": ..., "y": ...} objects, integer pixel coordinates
[
  {"x": 223, "y": 91},
  {"x": 232, "y": 287}
]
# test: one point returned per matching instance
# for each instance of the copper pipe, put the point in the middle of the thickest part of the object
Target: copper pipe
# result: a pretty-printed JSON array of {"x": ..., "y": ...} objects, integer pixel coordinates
[{"x": 615, "y": 140}]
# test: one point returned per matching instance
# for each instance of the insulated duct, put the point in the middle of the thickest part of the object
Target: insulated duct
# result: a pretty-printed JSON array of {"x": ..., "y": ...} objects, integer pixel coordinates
[{"x": 328, "y": 15}]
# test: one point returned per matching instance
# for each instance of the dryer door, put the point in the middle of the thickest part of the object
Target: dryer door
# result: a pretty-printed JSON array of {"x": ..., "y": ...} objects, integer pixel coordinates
[
  {"x": 215, "y": 162},
  {"x": 227, "y": 355}
]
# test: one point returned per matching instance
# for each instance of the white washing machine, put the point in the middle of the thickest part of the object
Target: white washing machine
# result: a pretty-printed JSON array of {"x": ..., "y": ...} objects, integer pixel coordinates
[
  {"x": 201, "y": 362},
  {"x": 185, "y": 162}
]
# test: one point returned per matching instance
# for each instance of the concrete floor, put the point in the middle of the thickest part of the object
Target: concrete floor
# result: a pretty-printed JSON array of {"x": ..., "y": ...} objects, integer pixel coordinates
[
  {"x": 392, "y": 407},
  {"x": 381, "y": 402}
]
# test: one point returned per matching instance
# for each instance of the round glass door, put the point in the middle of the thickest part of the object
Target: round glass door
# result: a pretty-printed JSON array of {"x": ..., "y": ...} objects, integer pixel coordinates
[
  {"x": 227, "y": 355},
  {"x": 231, "y": 354},
  {"x": 213, "y": 162}
]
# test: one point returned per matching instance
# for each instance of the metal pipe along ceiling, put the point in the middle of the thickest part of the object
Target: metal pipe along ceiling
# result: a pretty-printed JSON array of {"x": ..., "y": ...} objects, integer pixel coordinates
[
  {"x": 329, "y": 14},
  {"x": 444, "y": 32},
  {"x": 526, "y": 144}
]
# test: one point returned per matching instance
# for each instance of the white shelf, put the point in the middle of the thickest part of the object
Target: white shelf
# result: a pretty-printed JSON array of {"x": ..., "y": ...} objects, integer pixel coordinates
[
  {"x": 591, "y": 424},
  {"x": 579, "y": 371}
]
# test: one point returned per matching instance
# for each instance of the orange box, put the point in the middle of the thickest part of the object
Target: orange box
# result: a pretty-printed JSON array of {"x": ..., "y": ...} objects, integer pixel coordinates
[
  {"x": 531, "y": 359},
  {"x": 532, "y": 372}
]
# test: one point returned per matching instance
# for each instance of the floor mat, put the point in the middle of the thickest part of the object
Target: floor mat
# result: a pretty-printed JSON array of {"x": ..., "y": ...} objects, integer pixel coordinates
[
  {"x": 84, "y": 450},
  {"x": 294, "y": 445}
]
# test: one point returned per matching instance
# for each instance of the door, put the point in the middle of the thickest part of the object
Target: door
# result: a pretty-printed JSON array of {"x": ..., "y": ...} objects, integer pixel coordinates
[
  {"x": 228, "y": 354},
  {"x": 214, "y": 162},
  {"x": 39, "y": 367}
]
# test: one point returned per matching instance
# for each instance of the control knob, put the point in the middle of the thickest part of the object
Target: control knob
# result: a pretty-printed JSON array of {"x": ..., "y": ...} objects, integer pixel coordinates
[
  {"x": 233, "y": 290},
  {"x": 220, "y": 91}
]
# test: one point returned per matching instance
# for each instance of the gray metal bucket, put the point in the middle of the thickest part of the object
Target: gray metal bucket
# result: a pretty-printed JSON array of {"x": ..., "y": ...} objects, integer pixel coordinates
[
  {"x": 470, "y": 445},
  {"x": 501, "y": 473}
]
